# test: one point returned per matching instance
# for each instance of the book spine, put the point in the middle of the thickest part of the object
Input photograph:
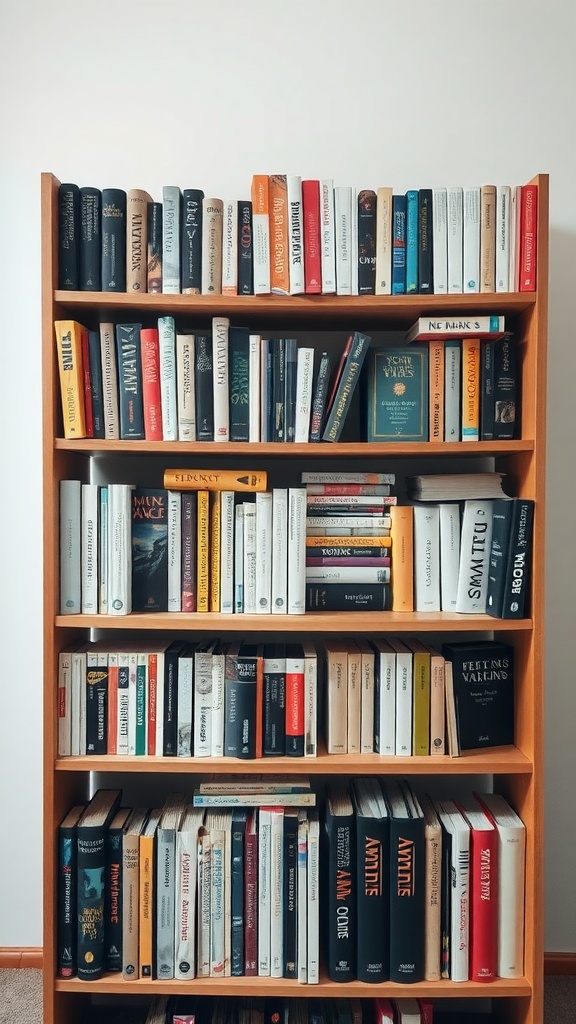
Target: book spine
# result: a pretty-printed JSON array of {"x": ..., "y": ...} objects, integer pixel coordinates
[
  {"x": 109, "y": 382},
  {"x": 398, "y": 245},
  {"x": 212, "y": 229},
  {"x": 510, "y": 558},
  {"x": 506, "y": 388},
  {"x": 437, "y": 705},
  {"x": 119, "y": 549},
  {"x": 151, "y": 398},
  {"x": 515, "y": 233},
  {"x": 470, "y": 357},
  {"x": 250, "y": 903},
  {"x": 427, "y": 558},
  {"x": 327, "y": 237},
  {"x": 202, "y": 704},
  {"x": 407, "y": 860},
  {"x": 66, "y": 954},
  {"x": 404, "y": 703},
  {"x": 91, "y": 863},
  {"x": 301, "y": 904},
  {"x": 113, "y": 883},
  {"x": 385, "y": 706},
  {"x": 436, "y": 390},
  {"x": 279, "y": 252},
  {"x": 165, "y": 902},
  {"x": 277, "y": 910},
  {"x": 341, "y": 899},
  {"x": 152, "y": 701},
  {"x": 279, "y": 579},
  {"x": 170, "y": 705},
  {"x": 245, "y": 248},
  {"x": 455, "y": 215},
  {"x": 171, "y": 246},
  {"x": 237, "y": 894},
  {"x": 290, "y": 890},
  {"x": 278, "y": 389},
  {"x": 249, "y": 559},
  {"x": 186, "y": 882},
  {"x": 122, "y": 710},
  {"x": 220, "y": 329},
  {"x": 130, "y": 382},
  {"x": 433, "y": 867},
  {"x": 383, "y": 284},
  {"x": 290, "y": 373},
  {"x": 70, "y": 547},
  {"x": 191, "y": 253},
  {"x": 264, "y": 860},
  {"x": 202, "y": 551},
  {"x": 185, "y": 703},
  {"x": 113, "y": 240},
  {"x": 440, "y": 239},
  {"x": 130, "y": 888},
  {"x": 486, "y": 390},
  {"x": 203, "y": 382},
  {"x": 204, "y": 905},
  {"x": 366, "y": 242},
  {"x": 320, "y": 398},
  {"x": 296, "y": 599},
  {"x": 483, "y": 904},
  {"x": 154, "y": 249},
  {"x": 421, "y": 703},
  {"x": 68, "y": 237},
  {"x": 227, "y": 552},
  {"x": 295, "y": 234},
  {"x": 136, "y": 240},
  {"x": 294, "y": 688},
  {"x": 86, "y": 382},
  {"x": 186, "y": 397},
  {"x": 449, "y": 555},
  {"x": 474, "y": 556},
  {"x": 373, "y": 900},
  {"x": 528, "y": 238},
  {"x": 168, "y": 379},
  {"x": 230, "y": 247},
  {"x": 174, "y": 517},
  {"x": 64, "y": 703},
  {"x": 411, "y": 242},
  {"x": 240, "y": 405},
  {"x": 90, "y": 261},
  {"x": 239, "y": 558},
  {"x": 313, "y": 902},
  {"x": 346, "y": 387},
  {"x": 264, "y": 549},
  {"x": 254, "y": 400},
  {"x": 426, "y": 275},
  {"x": 488, "y": 238},
  {"x": 338, "y": 597},
  {"x": 71, "y": 374},
  {"x": 452, "y": 391},
  {"x": 218, "y": 669},
  {"x": 304, "y": 374},
  {"x": 260, "y": 234},
  {"x": 503, "y": 247},
  {"x": 471, "y": 239},
  {"x": 342, "y": 238},
  {"x": 311, "y": 231},
  {"x": 96, "y": 703}
]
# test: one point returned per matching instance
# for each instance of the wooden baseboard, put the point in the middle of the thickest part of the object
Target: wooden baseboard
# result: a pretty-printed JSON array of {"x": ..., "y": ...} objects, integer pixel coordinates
[
  {"x": 559, "y": 963},
  {"x": 14, "y": 956}
]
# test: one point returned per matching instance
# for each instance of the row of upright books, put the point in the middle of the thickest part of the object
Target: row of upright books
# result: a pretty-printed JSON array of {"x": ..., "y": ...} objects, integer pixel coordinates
[
  {"x": 295, "y": 237},
  {"x": 411, "y": 888}
]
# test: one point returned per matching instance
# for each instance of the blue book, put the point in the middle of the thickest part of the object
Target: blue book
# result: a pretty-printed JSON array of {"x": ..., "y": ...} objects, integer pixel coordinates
[
  {"x": 412, "y": 241},
  {"x": 398, "y": 245},
  {"x": 239, "y": 817},
  {"x": 239, "y": 409},
  {"x": 396, "y": 394}
]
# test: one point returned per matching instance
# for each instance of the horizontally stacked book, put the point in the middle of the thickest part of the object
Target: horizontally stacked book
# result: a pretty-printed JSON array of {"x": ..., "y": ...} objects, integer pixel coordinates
[{"x": 295, "y": 237}]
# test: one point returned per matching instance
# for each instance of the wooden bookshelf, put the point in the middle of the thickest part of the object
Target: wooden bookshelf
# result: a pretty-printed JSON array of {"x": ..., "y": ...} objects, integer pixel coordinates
[{"x": 517, "y": 771}]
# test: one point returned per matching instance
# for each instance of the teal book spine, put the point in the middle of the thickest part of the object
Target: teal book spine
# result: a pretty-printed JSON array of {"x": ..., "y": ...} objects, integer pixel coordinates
[
  {"x": 398, "y": 245},
  {"x": 412, "y": 242},
  {"x": 396, "y": 395}
]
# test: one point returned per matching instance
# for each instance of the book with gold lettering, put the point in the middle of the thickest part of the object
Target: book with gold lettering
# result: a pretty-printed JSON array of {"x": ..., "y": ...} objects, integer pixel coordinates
[
  {"x": 215, "y": 480},
  {"x": 396, "y": 394}
]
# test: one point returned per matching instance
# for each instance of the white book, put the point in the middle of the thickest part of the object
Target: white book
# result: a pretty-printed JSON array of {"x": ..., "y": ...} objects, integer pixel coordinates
[
  {"x": 327, "y": 237},
  {"x": 185, "y": 702},
  {"x": 70, "y": 547},
  {"x": 511, "y": 873},
  {"x": 250, "y": 555},
  {"x": 302, "y": 901},
  {"x": 354, "y": 697},
  {"x": 452, "y": 390},
  {"x": 230, "y": 247},
  {"x": 476, "y": 539},
  {"x": 276, "y": 893},
  {"x": 109, "y": 382},
  {"x": 295, "y": 234},
  {"x": 296, "y": 550},
  {"x": 185, "y": 393},
  {"x": 385, "y": 698},
  {"x": 336, "y": 696},
  {"x": 279, "y": 591},
  {"x": 377, "y": 524},
  {"x": 354, "y": 241},
  {"x": 440, "y": 239},
  {"x": 168, "y": 379},
  {"x": 212, "y": 217},
  {"x": 260, "y": 235},
  {"x": 310, "y": 698},
  {"x": 203, "y": 700},
  {"x": 103, "y": 553},
  {"x": 254, "y": 387},
  {"x": 171, "y": 225},
  {"x": 78, "y": 737},
  {"x": 217, "y": 887},
  {"x": 347, "y": 531},
  {"x": 227, "y": 552},
  {"x": 304, "y": 380},
  {"x": 64, "y": 703},
  {"x": 313, "y": 900},
  {"x": 239, "y": 558},
  {"x": 264, "y": 549},
  {"x": 90, "y": 503},
  {"x": 204, "y": 903},
  {"x": 264, "y": 892},
  {"x": 366, "y": 697},
  {"x": 458, "y": 832},
  {"x": 503, "y": 193},
  {"x": 174, "y": 551},
  {"x": 449, "y": 555},
  {"x": 314, "y": 477},
  {"x": 427, "y": 558},
  {"x": 119, "y": 549},
  {"x": 218, "y": 684},
  {"x": 455, "y": 229},
  {"x": 347, "y": 574},
  {"x": 515, "y": 230},
  {"x": 404, "y": 697},
  {"x": 471, "y": 238},
  {"x": 220, "y": 329},
  {"x": 168, "y": 826},
  {"x": 383, "y": 241},
  {"x": 407, "y": 1011},
  {"x": 186, "y": 889},
  {"x": 265, "y": 396},
  {"x": 343, "y": 240}
]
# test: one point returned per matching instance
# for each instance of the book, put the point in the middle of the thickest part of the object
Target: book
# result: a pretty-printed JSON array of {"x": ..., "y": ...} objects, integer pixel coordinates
[
  {"x": 168, "y": 826},
  {"x": 311, "y": 228},
  {"x": 475, "y": 547},
  {"x": 449, "y": 513},
  {"x": 346, "y": 386},
  {"x": 146, "y": 884},
  {"x": 130, "y": 382},
  {"x": 439, "y": 229},
  {"x": 320, "y": 397},
  {"x": 407, "y": 883},
  {"x": 398, "y": 244},
  {"x": 439, "y": 487},
  {"x": 237, "y": 844},
  {"x": 471, "y": 238},
  {"x": 295, "y": 234},
  {"x": 339, "y": 597},
  {"x": 69, "y": 238},
  {"x": 366, "y": 241},
  {"x": 342, "y": 238},
  {"x": 511, "y": 870},
  {"x": 304, "y": 377},
  {"x": 483, "y": 685},
  {"x": 510, "y": 557},
  {"x": 470, "y": 404},
  {"x": 426, "y": 558},
  {"x": 372, "y": 860},
  {"x": 396, "y": 395},
  {"x": 433, "y": 847},
  {"x": 528, "y": 248},
  {"x": 260, "y": 234},
  {"x": 90, "y": 239},
  {"x": 71, "y": 374},
  {"x": 66, "y": 950},
  {"x": 70, "y": 525},
  {"x": 136, "y": 238},
  {"x": 341, "y": 883},
  {"x": 204, "y": 387},
  {"x": 245, "y": 248},
  {"x": 154, "y": 248},
  {"x": 506, "y": 388},
  {"x": 191, "y": 242},
  {"x": 455, "y": 228},
  {"x": 411, "y": 242},
  {"x": 436, "y": 381},
  {"x": 327, "y": 237},
  {"x": 151, "y": 389},
  {"x": 488, "y": 221},
  {"x": 113, "y": 890},
  {"x": 168, "y": 378},
  {"x": 130, "y": 892},
  {"x": 113, "y": 240},
  {"x": 426, "y": 256},
  {"x": 483, "y": 889},
  {"x": 185, "y": 396},
  {"x": 294, "y": 700},
  {"x": 220, "y": 328},
  {"x": 239, "y": 384},
  {"x": 296, "y": 552},
  {"x": 452, "y": 391},
  {"x": 279, "y": 253},
  {"x": 240, "y": 702},
  {"x": 456, "y": 838},
  {"x": 212, "y": 236},
  {"x": 91, "y": 866},
  {"x": 230, "y": 247},
  {"x": 171, "y": 244},
  {"x": 109, "y": 382}
]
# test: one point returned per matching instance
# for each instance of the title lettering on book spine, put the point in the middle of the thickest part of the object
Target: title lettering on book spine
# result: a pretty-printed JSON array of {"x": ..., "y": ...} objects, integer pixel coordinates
[{"x": 343, "y": 882}]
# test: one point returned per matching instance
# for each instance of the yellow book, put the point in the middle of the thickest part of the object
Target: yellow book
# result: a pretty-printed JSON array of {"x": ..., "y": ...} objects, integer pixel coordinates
[
  {"x": 71, "y": 371},
  {"x": 436, "y": 390},
  {"x": 203, "y": 549},
  {"x": 488, "y": 238},
  {"x": 215, "y": 480},
  {"x": 402, "y": 537},
  {"x": 214, "y": 551},
  {"x": 278, "y": 206},
  {"x": 470, "y": 389},
  {"x": 420, "y": 697},
  {"x": 146, "y": 896}
]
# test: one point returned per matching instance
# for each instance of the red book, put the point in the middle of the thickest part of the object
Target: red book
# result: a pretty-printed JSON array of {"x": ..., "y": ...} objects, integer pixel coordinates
[
  {"x": 251, "y": 896},
  {"x": 152, "y": 688},
  {"x": 112, "y": 733},
  {"x": 87, "y": 385},
  {"x": 426, "y": 1011},
  {"x": 150, "y": 356},
  {"x": 384, "y": 1011},
  {"x": 188, "y": 542},
  {"x": 528, "y": 238},
  {"x": 294, "y": 700},
  {"x": 483, "y": 890},
  {"x": 311, "y": 227}
]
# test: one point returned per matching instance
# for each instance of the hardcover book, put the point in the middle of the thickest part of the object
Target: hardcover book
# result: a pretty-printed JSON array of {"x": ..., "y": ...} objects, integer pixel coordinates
[
  {"x": 372, "y": 861},
  {"x": 90, "y": 269},
  {"x": 68, "y": 236},
  {"x": 149, "y": 550},
  {"x": 510, "y": 557},
  {"x": 130, "y": 382},
  {"x": 346, "y": 385},
  {"x": 113, "y": 240},
  {"x": 191, "y": 254},
  {"x": 396, "y": 395},
  {"x": 341, "y": 883},
  {"x": 91, "y": 851},
  {"x": 483, "y": 686},
  {"x": 67, "y": 888}
]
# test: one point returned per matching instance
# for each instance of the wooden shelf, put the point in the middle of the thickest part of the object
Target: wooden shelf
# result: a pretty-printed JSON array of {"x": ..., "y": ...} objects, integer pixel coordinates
[
  {"x": 322, "y": 451},
  {"x": 312, "y": 622},
  {"x": 496, "y": 761}
]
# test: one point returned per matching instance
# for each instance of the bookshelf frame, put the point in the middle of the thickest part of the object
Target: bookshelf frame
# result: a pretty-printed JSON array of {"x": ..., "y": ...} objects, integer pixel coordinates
[{"x": 517, "y": 772}]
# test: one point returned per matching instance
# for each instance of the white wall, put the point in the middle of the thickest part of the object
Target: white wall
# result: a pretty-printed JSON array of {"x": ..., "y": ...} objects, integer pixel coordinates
[{"x": 370, "y": 92}]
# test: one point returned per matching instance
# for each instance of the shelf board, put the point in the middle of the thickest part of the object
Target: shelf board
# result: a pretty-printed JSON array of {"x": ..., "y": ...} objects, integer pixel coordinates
[
  {"x": 496, "y": 761},
  {"x": 342, "y": 449},
  {"x": 312, "y": 622},
  {"x": 113, "y": 984}
]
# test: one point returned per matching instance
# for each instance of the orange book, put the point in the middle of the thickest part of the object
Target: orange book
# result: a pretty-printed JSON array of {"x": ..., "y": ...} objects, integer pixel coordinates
[
  {"x": 278, "y": 206},
  {"x": 147, "y": 909},
  {"x": 203, "y": 552},
  {"x": 402, "y": 536},
  {"x": 71, "y": 371},
  {"x": 215, "y": 480},
  {"x": 436, "y": 390},
  {"x": 470, "y": 389},
  {"x": 214, "y": 551}
]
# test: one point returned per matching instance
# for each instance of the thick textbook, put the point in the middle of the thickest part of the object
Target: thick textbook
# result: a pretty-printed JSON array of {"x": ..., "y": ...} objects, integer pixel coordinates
[
  {"x": 372, "y": 862},
  {"x": 509, "y": 568},
  {"x": 483, "y": 683},
  {"x": 91, "y": 853},
  {"x": 407, "y": 883}
]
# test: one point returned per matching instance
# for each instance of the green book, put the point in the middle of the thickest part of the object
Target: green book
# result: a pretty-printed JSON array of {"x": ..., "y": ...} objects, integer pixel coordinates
[{"x": 396, "y": 394}]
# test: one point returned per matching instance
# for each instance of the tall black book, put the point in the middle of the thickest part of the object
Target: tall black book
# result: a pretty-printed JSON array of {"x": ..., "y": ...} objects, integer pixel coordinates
[
  {"x": 425, "y": 257},
  {"x": 113, "y": 240},
  {"x": 170, "y": 740},
  {"x": 245, "y": 248},
  {"x": 341, "y": 883},
  {"x": 191, "y": 257},
  {"x": 239, "y": 818},
  {"x": 68, "y": 236},
  {"x": 96, "y": 704},
  {"x": 95, "y": 362},
  {"x": 91, "y": 852},
  {"x": 203, "y": 387},
  {"x": 90, "y": 268},
  {"x": 320, "y": 397},
  {"x": 274, "y": 700},
  {"x": 407, "y": 881},
  {"x": 113, "y": 891},
  {"x": 483, "y": 686},
  {"x": 290, "y": 868},
  {"x": 373, "y": 868},
  {"x": 239, "y": 374},
  {"x": 130, "y": 382},
  {"x": 291, "y": 365},
  {"x": 509, "y": 569},
  {"x": 149, "y": 549},
  {"x": 241, "y": 668},
  {"x": 366, "y": 242},
  {"x": 346, "y": 386},
  {"x": 278, "y": 389},
  {"x": 66, "y": 959},
  {"x": 506, "y": 389}
]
